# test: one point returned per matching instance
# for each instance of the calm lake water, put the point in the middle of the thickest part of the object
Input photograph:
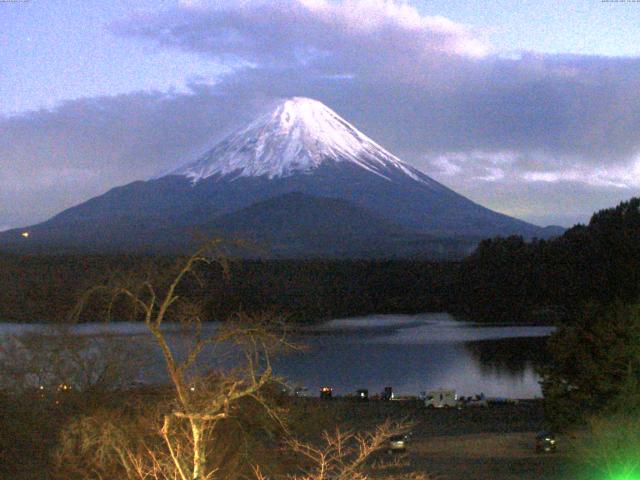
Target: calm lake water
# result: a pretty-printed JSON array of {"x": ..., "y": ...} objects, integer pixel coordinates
[
  {"x": 415, "y": 353},
  {"x": 411, "y": 353}
]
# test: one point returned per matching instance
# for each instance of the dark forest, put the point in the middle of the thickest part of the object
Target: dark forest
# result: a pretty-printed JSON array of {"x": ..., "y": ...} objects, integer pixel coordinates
[{"x": 504, "y": 280}]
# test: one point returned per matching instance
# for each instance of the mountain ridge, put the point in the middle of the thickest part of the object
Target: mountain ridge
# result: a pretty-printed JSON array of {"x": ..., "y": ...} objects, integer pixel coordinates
[{"x": 299, "y": 146}]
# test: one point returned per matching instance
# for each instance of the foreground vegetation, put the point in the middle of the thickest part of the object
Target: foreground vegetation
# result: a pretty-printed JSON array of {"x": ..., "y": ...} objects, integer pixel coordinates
[
  {"x": 62, "y": 439},
  {"x": 591, "y": 385},
  {"x": 217, "y": 419}
]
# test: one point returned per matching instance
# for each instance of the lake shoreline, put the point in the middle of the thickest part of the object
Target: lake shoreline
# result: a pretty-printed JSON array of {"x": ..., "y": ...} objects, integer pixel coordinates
[{"x": 412, "y": 353}]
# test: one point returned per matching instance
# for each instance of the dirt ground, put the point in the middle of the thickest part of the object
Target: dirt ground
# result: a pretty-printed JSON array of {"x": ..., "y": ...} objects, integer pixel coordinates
[
  {"x": 479, "y": 456},
  {"x": 494, "y": 443}
]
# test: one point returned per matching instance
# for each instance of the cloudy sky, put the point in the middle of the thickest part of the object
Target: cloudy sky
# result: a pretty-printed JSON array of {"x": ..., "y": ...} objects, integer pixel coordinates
[{"x": 529, "y": 107}]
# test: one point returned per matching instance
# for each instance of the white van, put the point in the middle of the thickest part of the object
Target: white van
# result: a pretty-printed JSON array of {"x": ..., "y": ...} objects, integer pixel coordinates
[{"x": 441, "y": 399}]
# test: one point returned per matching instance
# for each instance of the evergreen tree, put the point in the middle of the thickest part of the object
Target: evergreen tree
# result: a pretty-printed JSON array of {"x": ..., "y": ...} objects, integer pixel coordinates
[{"x": 594, "y": 364}]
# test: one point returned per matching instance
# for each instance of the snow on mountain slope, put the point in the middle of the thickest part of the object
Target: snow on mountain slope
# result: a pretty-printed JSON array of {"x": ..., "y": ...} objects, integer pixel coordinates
[
  {"x": 297, "y": 136},
  {"x": 294, "y": 179}
]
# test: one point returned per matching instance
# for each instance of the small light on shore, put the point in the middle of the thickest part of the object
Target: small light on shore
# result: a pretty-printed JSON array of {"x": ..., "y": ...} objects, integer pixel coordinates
[{"x": 25, "y": 234}]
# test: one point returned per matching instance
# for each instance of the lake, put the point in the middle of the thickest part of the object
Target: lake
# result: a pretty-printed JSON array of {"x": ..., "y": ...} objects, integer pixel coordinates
[
  {"x": 411, "y": 353},
  {"x": 416, "y": 353}
]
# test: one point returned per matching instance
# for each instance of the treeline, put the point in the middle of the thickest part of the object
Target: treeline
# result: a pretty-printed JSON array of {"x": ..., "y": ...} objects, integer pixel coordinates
[
  {"x": 508, "y": 278},
  {"x": 504, "y": 280},
  {"x": 46, "y": 288}
]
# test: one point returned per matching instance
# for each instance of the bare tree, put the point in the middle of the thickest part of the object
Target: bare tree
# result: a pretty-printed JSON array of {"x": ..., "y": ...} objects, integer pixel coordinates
[
  {"x": 54, "y": 357},
  {"x": 241, "y": 348},
  {"x": 201, "y": 400},
  {"x": 343, "y": 455}
]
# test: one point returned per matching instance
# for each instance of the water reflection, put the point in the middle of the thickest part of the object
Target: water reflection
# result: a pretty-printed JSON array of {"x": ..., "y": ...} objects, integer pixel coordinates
[
  {"x": 412, "y": 353},
  {"x": 418, "y": 353},
  {"x": 512, "y": 356}
]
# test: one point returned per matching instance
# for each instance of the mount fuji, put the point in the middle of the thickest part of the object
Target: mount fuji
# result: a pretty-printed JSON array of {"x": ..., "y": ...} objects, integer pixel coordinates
[{"x": 300, "y": 181}]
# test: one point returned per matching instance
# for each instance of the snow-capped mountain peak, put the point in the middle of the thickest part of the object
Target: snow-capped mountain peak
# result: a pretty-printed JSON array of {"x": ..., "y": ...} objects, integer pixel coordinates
[
  {"x": 299, "y": 181},
  {"x": 298, "y": 135}
]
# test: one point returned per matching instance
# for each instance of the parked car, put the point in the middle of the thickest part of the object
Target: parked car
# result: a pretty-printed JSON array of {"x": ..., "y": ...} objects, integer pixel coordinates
[
  {"x": 545, "y": 442},
  {"x": 397, "y": 444},
  {"x": 441, "y": 399},
  {"x": 474, "y": 401},
  {"x": 387, "y": 394},
  {"x": 326, "y": 392}
]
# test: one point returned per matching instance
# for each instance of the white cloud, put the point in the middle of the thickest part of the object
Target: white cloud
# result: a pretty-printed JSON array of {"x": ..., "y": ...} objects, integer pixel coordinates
[
  {"x": 494, "y": 174},
  {"x": 617, "y": 177},
  {"x": 534, "y": 167},
  {"x": 356, "y": 34},
  {"x": 540, "y": 188},
  {"x": 442, "y": 164},
  {"x": 473, "y": 165}
]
